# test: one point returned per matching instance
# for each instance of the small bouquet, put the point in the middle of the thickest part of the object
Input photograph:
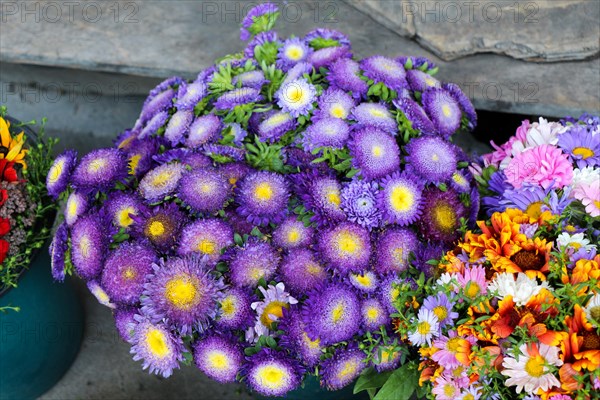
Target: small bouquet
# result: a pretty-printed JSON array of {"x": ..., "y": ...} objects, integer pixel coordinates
[
  {"x": 254, "y": 221},
  {"x": 25, "y": 208}
]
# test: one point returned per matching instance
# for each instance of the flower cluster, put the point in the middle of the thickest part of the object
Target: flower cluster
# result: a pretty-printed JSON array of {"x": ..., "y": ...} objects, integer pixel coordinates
[
  {"x": 254, "y": 221},
  {"x": 24, "y": 204},
  {"x": 515, "y": 313},
  {"x": 546, "y": 166}
]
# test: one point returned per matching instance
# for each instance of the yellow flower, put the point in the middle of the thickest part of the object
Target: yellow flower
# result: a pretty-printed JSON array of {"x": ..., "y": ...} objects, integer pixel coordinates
[{"x": 11, "y": 148}]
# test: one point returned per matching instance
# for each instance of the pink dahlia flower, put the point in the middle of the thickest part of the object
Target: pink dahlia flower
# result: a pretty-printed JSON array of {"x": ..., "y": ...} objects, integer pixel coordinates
[
  {"x": 589, "y": 195},
  {"x": 544, "y": 165}
]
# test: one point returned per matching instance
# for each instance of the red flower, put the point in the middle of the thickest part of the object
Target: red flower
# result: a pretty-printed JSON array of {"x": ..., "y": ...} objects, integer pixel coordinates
[
  {"x": 3, "y": 196},
  {"x": 4, "y": 226},
  {"x": 3, "y": 250},
  {"x": 7, "y": 170}
]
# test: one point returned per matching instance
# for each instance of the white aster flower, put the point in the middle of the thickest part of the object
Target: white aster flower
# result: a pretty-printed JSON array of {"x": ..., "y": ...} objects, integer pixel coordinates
[
  {"x": 296, "y": 97},
  {"x": 269, "y": 310},
  {"x": 427, "y": 327},
  {"x": 530, "y": 370},
  {"x": 576, "y": 241},
  {"x": 592, "y": 310},
  {"x": 522, "y": 289},
  {"x": 584, "y": 177},
  {"x": 448, "y": 280}
]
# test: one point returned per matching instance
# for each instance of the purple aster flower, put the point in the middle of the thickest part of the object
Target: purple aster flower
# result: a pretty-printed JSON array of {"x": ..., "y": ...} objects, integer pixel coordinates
[
  {"x": 251, "y": 79},
  {"x": 441, "y": 306},
  {"x": 400, "y": 199},
  {"x": 156, "y": 104},
  {"x": 204, "y": 190},
  {"x": 178, "y": 126},
  {"x": 323, "y": 37},
  {"x": 190, "y": 94},
  {"x": 394, "y": 246},
  {"x": 390, "y": 288},
  {"x": 581, "y": 145},
  {"x": 207, "y": 237},
  {"x": 321, "y": 195},
  {"x": 364, "y": 281},
  {"x": 100, "y": 169},
  {"x": 293, "y": 51},
  {"x": 375, "y": 153},
  {"x": 77, "y": 204},
  {"x": 386, "y": 70},
  {"x": 374, "y": 315},
  {"x": 298, "y": 158},
  {"x": 125, "y": 272},
  {"x": 344, "y": 74},
  {"x": 416, "y": 115},
  {"x": 274, "y": 125},
  {"x": 296, "y": 339},
  {"x": 186, "y": 156},
  {"x": 292, "y": 234},
  {"x": 359, "y": 202},
  {"x": 140, "y": 157},
  {"x": 301, "y": 271},
  {"x": 275, "y": 299},
  {"x": 237, "y": 97},
  {"x": 443, "y": 110},
  {"x": 89, "y": 245},
  {"x": 58, "y": 248},
  {"x": 442, "y": 212},
  {"x": 255, "y": 260},
  {"x": 462, "y": 181},
  {"x": 120, "y": 208},
  {"x": 258, "y": 19},
  {"x": 60, "y": 172},
  {"x": 263, "y": 197},
  {"x": 464, "y": 102},
  {"x": 386, "y": 358},
  {"x": 334, "y": 103},
  {"x": 346, "y": 248},
  {"x": 125, "y": 139},
  {"x": 326, "y": 132},
  {"x": 262, "y": 39},
  {"x": 297, "y": 71},
  {"x": 125, "y": 322},
  {"x": 219, "y": 357},
  {"x": 331, "y": 314},
  {"x": 433, "y": 158},
  {"x": 416, "y": 62},
  {"x": 328, "y": 55},
  {"x": 376, "y": 115},
  {"x": 296, "y": 97},
  {"x": 160, "y": 350},
  {"x": 238, "y": 133},
  {"x": 164, "y": 86},
  {"x": 343, "y": 368},
  {"x": 98, "y": 292},
  {"x": 234, "y": 172},
  {"x": 182, "y": 293},
  {"x": 154, "y": 124},
  {"x": 557, "y": 204},
  {"x": 203, "y": 130},
  {"x": 420, "y": 81},
  {"x": 235, "y": 312},
  {"x": 528, "y": 198},
  {"x": 161, "y": 181},
  {"x": 161, "y": 226},
  {"x": 272, "y": 373},
  {"x": 230, "y": 152}
]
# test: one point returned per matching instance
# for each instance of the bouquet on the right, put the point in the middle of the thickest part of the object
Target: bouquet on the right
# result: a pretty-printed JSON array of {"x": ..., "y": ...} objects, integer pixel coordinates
[{"x": 552, "y": 166}]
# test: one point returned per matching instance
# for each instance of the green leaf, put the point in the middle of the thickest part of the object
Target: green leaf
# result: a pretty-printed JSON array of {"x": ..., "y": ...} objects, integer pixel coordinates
[
  {"x": 238, "y": 239},
  {"x": 401, "y": 384},
  {"x": 371, "y": 379}
]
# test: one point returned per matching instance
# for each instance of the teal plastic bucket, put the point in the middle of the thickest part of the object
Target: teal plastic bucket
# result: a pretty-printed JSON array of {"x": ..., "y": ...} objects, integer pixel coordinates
[
  {"x": 313, "y": 391},
  {"x": 39, "y": 343}
]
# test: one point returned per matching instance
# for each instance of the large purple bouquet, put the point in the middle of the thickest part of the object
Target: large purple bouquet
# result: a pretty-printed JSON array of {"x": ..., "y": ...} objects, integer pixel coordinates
[{"x": 254, "y": 221}]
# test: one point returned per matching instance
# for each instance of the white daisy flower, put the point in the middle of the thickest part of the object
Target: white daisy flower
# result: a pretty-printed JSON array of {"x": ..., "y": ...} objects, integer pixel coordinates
[
  {"x": 269, "y": 310},
  {"x": 584, "y": 177},
  {"x": 522, "y": 289},
  {"x": 296, "y": 97},
  {"x": 530, "y": 370},
  {"x": 576, "y": 241},
  {"x": 448, "y": 280},
  {"x": 592, "y": 310},
  {"x": 427, "y": 327}
]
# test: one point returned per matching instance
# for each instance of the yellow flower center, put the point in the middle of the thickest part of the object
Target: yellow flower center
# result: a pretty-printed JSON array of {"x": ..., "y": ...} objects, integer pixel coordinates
[
  {"x": 349, "y": 369},
  {"x": 377, "y": 113},
  {"x": 338, "y": 112},
  {"x": 429, "y": 81},
  {"x": 129, "y": 273},
  {"x": 228, "y": 305},
  {"x": 395, "y": 293},
  {"x": 401, "y": 199},
  {"x": 446, "y": 110},
  {"x": 134, "y": 161},
  {"x": 575, "y": 245},
  {"x": 473, "y": 289},
  {"x": 263, "y": 191},
  {"x": 597, "y": 204},
  {"x": 124, "y": 218},
  {"x": 445, "y": 217},
  {"x": 347, "y": 243},
  {"x": 535, "y": 366},
  {"x": 453, "y": 344},
  {"x": 534, "y": 210},
  {"x": 72, "y": 207},
  {"x": 270, "y": 376},
  {"x": 312, "y": 344},
  {"x": 398, "y": 255},
  {"x": 423, "y": 328},
  {"x": 161, "y": 179},
  {"x": 449, "y": 390},
  {"x": 96, "y": 165},
  {"x": 595, "y": 313},
  {"x": 232, "y": 180},
  {"x": 218, "y": 360},
  {"x": 295, "y": 94},
  {"x": 584, "y": 152},
  {"x": 206, "y": 246},
  {"x": 294, "y": 53},
  {"x": 334, "y": 198},
  {"x": 377, "y": 151},
  {"x": 338, "y": 312},
  {"x": 468, "y": 396},
  {"x": 181, "y": 292},
  {"x": 274, "y": 308},
  {"x": 458, "y": 178},
  {"x": 441, "y": 312},
  {"x": 206, "y": 188},
  {"x": 372, "y": 314},
  {"x": 156, "y": 228},
  {"x": 314, "y": 269},
  {"x": 56, "y": 171},
  {"x": 293, "y": 236},
  {"x": 157, "y": 343},
  {"x": 85, "y": 246},
  {"x": 277, "y": 118},
  {"x": 364, "y": 280},
  {"x": 435, "y": 157}
]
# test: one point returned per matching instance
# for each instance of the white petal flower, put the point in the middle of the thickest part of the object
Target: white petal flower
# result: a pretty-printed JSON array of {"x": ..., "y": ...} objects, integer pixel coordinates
[
  {"x": 530, "y": 370},
  {"x": 522, "y": 289},
  {"x": 592, "y": 310}
]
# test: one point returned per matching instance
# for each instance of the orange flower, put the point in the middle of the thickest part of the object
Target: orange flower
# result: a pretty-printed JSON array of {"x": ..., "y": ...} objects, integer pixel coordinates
[
  {"x": 531, "y": 256},
  {"x": 581, "y": 347},
  {"x": 451, "y": 263},
  {"x": 583, "y": 272}
]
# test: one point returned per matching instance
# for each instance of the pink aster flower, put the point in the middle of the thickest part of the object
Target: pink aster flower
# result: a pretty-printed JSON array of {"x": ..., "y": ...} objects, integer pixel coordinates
[
  {"x": 473, "y": 282},
  {"x": 589, "y": 195},
  {"x": 544, "y": 165}
]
